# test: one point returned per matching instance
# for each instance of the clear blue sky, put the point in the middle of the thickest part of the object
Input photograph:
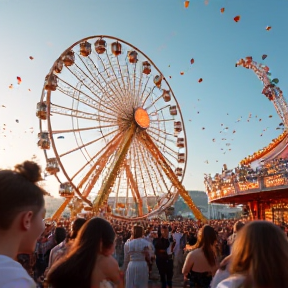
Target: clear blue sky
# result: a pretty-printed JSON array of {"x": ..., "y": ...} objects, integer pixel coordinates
[{"x": 170, "y": 35}]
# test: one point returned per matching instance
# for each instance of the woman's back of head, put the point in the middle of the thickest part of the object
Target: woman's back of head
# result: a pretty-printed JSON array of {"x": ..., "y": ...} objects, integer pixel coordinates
[
  {"x": 96, "y": 236},
  {"x": 206, "y": 239},
  {"x": 19, "y": 192},
  {"x": 261, "y": 252}
]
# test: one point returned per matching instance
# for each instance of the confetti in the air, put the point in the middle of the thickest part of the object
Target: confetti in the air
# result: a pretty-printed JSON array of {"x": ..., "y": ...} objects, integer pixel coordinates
[{"x": 237, "y": 18}]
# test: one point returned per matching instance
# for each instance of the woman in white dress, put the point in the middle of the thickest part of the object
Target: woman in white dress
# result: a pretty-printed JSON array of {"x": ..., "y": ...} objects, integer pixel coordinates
[{"x": 136, "y": 252}]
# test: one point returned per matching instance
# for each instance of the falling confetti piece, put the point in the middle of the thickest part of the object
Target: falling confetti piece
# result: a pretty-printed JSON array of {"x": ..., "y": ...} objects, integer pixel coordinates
[
  {"x": 192, "y": 61},
  {"x": 264, "y": 56},
  {"x": 29, "y": 89},
  {"x": 181, "y": 73},
  {"x": 260, "y": 120},
  {"x": 186, "y": 3},
  {"x": 17, "y": 121},
  {"x": 3, "y": 106},
  {"x": 170, "y": 77},
  {"x": 31, "y": 58},
  {"x": 237, "y": 18},
  {"x": 275, "y": 80},
  {"x": 222, "y": 10},
  {"x": 234, "y": 131},
  {"x": 203, "y": 128},
  {"x": 11, "y": 86},
  {"x": 200, "y": 80},
  {"x": 60, "y": 137},
  {"x": 268, "y": 28},
  {"x": 19, "y": 80},
  {"x": 270, "y": 116}
]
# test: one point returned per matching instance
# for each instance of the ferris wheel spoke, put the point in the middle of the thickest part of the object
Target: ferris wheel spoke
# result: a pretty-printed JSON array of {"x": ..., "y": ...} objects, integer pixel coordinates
[
  {"x": 60, "y": 110},
  {"x": 146, "y": 167},
  {"x": 109, "y": 149},
  {"x": 117, "y": 191},
  {"x": 108, "y": 84},
  {"x": 153, "y": 113},
  {"x": 70, "y": 90},
  {"x": 135, "y": 190},
  {"x": 137, "y": 96},
  {"x": 112, "y": 96},
  {"x": 158, "y": 136},
  {"x": 166, "y": 147},
  {"x": 163, "y": 120},
  {"x": 116, "y": 77},
  {"x": 130, "y": 91},
  {"x": 87, "y": 144},
  {"x": 90, "y": 85},
  {"x": 147, "y": 96},
  {"x": 80, "y": 129},
  {"x": 160, "y": 172},
  {"x": 143, "y": 90},
  {"x": 161, "y": 131},
  {"x": 137, "y": 159},
  {"x": 166, "y": 159}
]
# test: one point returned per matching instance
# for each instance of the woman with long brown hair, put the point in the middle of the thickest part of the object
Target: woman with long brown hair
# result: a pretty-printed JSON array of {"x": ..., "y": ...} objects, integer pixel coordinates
[
  {"x": 201, "y": 264},
  {"x": 259, "y": 258},
  {"x": 89, "y": 264}
]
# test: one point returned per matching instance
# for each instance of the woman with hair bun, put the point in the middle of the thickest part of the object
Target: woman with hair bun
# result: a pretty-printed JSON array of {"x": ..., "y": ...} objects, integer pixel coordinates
[{"x": 21, "y": 221}]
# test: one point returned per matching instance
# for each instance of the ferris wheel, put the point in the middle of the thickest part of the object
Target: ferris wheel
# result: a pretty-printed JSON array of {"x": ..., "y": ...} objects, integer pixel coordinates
[{"x": 112, "y": 131}]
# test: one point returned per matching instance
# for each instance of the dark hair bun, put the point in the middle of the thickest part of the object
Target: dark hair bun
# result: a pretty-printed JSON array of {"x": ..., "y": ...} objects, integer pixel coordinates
[{"x": 30, "y": 170}]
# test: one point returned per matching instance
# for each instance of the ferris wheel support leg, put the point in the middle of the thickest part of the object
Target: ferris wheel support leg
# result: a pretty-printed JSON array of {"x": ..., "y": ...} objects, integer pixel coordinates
[
  {"x": 115, "y": 167},
  {"x": 135, "y": 191},
  {"x": 152, "y": 148},
  {"x": 61, "y": 209}
]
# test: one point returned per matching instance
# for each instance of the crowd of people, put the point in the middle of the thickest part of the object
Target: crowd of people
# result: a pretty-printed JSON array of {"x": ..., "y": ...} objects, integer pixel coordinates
[{"x": 105, "y": 253}]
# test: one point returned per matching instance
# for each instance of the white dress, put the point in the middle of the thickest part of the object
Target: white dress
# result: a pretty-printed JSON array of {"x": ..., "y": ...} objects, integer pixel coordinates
[{"x": 137, "y": 274}]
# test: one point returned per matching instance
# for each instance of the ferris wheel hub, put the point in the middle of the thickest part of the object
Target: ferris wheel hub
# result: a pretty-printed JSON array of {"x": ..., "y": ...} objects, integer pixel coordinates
[{"x": 142, "y": 118}]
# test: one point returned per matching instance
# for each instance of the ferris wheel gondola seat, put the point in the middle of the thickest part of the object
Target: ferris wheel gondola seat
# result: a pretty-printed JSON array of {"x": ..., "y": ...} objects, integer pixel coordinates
[
  {"x": 66, "y": 190},
  {"x": 179, "y": 172},
  {"x": 116, "y": 48},
  {"x": 69, "y": 58},
  {"x": 85, "y": 48},
  {"x": 173, "y": 110},
  {"x": 44, "y": 142},
  {"x": 132, "y": 57},
  {"x": 180, "y": 142},
  {"x": 58, "y": 66},
  {"x": 181, "y": 157},
  {"x": 177, "y": 126},
  {"x": 41, "y": 110},
  {"x": 50, "y": 82},
  {"x": 166, "y": 95},
  {"x": 146, "y": 67},
  {"x": 157, "y": 80},
  {"x": 100, "y": 46},
  {"x": 52, "y": 166}
]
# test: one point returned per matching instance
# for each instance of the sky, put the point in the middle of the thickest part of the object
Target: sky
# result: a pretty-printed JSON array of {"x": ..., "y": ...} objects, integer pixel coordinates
[{"x": 170, "y": 36}]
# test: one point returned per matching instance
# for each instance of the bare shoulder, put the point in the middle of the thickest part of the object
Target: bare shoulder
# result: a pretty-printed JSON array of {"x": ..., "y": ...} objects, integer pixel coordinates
[{"x": 106, "y": 262}]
